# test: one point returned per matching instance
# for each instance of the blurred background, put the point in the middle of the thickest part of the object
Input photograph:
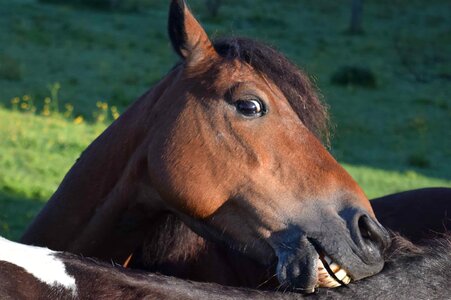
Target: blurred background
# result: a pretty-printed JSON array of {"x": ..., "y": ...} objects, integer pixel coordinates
[{"x": 68, "y": 68}]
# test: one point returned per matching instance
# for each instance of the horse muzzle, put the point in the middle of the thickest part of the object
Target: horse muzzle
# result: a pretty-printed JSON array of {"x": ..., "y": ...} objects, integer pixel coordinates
[{"x": 335, "y": 255}]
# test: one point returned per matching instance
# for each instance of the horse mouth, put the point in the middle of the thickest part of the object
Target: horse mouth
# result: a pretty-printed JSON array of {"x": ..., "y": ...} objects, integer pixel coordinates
[
  {"x": 309, "y": 268},
  {"x": 330, "y": 274}
]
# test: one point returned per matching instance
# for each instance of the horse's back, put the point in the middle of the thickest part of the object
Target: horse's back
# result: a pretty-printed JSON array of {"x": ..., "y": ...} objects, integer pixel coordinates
[
  {"x": 411, "y": 273},
  {"x": 416, "y": 214}
]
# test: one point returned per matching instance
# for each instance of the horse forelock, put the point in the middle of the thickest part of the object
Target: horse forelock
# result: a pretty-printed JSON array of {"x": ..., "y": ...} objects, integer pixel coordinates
[{"x": 300, "y": 92}]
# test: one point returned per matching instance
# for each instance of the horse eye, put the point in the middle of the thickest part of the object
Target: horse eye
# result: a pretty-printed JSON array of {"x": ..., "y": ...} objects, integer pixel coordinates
[{"x": 250, "y": 108}]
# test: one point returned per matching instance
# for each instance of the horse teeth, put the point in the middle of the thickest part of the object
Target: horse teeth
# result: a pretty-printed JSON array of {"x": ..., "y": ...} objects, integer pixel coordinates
[
  {"x": 340, "y": 274},
  {"x": 327, "y": 280},
  {"x": 333, "y": 284},
  {"x": 334, "y": 267}
]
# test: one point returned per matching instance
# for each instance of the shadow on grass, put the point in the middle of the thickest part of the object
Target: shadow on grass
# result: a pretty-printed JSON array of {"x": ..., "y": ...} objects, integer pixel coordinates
[{"x": 16, "y": 213}]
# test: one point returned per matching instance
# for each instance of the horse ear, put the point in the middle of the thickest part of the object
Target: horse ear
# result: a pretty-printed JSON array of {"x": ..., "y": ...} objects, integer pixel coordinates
[{"x": 188, "y": 37}]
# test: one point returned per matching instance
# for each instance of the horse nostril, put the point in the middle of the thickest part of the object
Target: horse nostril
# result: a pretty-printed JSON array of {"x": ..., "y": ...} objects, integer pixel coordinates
[
  {"x": 371, "y": 233},
  {"x": 365, "y": 232}
]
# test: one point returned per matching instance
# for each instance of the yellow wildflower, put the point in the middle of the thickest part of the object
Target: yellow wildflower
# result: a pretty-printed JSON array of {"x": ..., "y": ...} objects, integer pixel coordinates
[
  {"x": 46, "y": 111},
  {"x": 78, "y": 120},
  {"x": 114, "y": 112}
]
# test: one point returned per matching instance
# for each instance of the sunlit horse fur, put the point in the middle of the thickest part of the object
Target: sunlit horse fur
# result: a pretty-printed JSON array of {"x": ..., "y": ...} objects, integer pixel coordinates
[{"x": 229, "y": 142}]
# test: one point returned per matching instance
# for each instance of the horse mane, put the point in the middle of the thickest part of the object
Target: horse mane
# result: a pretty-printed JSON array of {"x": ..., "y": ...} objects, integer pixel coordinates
[{"x": 300, "y": 92}]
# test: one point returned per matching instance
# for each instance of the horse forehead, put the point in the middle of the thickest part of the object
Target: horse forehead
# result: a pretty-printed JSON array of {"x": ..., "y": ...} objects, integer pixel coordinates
[
  {"x": 222, "y": 75},
  {"x": 39, "y": 262},
  {"x": 237, "y": 72}
]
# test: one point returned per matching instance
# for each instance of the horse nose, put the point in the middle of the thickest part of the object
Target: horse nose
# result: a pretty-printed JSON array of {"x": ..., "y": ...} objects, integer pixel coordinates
[
  {"x": 372, "y": 232},
  {"x": 370, "y": 237}
]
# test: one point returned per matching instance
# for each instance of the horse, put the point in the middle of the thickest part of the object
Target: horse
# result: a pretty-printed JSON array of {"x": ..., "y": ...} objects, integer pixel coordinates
[
  {"x": 231, "y": 142},
  {"x": 175, "y": 250},
  {"x": 419, "y": 215},
  {"x": 412, "y": 272}
]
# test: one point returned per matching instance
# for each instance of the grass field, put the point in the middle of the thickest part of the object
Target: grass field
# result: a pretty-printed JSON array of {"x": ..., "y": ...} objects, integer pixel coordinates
[{"x": 57, "y": 62}]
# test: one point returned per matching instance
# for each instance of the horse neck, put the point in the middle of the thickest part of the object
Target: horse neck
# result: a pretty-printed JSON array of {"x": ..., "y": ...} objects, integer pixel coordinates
[
  {"x": 172, "y": 248},
  {"x": 102, "y": 188}
]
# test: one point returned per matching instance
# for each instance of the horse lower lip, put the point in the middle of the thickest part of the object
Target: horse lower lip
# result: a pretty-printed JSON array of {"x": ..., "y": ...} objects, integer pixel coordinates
[{"x": 325, "y": 279}]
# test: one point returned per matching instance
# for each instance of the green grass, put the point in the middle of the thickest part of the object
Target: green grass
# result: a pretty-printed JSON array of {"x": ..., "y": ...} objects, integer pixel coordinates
[
  {"x": 391, "y": 137},
  {"x": 37, "y": 151}
]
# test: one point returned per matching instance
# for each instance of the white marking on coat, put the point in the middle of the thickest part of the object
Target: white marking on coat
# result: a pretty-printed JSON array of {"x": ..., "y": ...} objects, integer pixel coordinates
[{"x": 39, "y": 262}]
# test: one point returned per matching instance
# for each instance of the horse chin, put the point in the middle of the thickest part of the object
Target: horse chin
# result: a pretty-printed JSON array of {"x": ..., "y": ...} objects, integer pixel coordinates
[
  {"x": 297, "y": 268},
  {"x": 305, "y": 268}
]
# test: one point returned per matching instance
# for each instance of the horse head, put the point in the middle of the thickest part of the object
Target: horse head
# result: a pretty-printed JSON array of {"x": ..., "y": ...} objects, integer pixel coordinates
[{"x": 238, "y": 157}]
